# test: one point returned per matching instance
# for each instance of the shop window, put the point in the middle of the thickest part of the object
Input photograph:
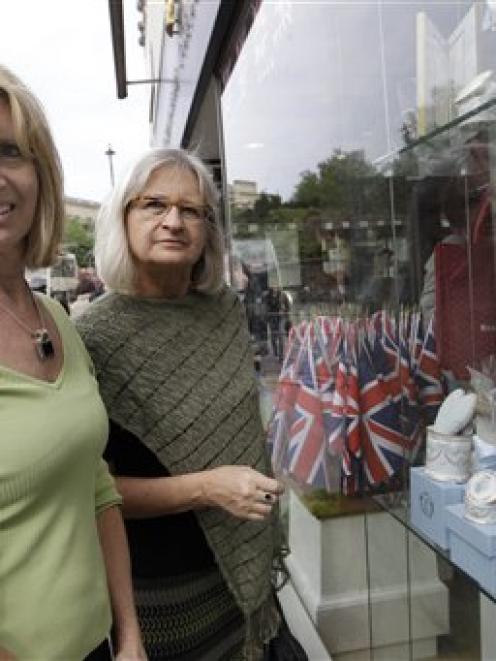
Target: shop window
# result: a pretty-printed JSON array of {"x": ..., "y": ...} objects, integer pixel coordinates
[{"x": 359, "y": 151}]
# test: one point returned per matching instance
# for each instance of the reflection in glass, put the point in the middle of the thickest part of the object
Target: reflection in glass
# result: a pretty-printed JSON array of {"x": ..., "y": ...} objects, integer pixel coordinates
[{"x": 358, "y": 143}]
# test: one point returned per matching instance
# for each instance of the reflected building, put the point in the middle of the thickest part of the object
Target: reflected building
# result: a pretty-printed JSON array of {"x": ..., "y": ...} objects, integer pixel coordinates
[
  {"x": 242, "y": 194},
  {"x": 85, "y": 211}
]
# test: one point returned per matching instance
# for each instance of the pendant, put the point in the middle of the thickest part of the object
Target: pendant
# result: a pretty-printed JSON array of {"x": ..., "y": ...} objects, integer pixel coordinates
[{"x": 43, "y": 344}]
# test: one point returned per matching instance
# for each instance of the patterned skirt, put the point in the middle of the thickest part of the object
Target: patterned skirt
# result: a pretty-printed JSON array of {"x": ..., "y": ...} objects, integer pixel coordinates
[{"x": 192, "y": 617}]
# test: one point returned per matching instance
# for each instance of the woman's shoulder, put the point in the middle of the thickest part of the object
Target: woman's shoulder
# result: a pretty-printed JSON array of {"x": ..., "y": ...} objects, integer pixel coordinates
[
  {"x": 97, "y": 324},
  {"x": 102, "y": 308},
  {"x": 225, "y": 303},
  {"x": 232, "y": 301},
  {"x": 225, "y": 297},
  {"x": 228, "y": 294},
  {"x": 120, "y": 310}
]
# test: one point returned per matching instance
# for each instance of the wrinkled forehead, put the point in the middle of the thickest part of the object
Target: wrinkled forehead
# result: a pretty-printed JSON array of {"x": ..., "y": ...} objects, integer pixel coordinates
[{"x": 174, "y": 181}]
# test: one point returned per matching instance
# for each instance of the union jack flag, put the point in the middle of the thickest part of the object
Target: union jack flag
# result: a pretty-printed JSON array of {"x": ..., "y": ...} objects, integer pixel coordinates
[
  {"x": 353, "y": 445},
  {"x": 428, "y": 376},
  {"x": 382, "y": 438},
  {"x": 322, "y": 355},
  {"x": 390, "y": 360},
  {"x": 353, "y": 391},
  {"x": 353, "y": 400},
  {"x": 410, "y": 414},
  {"x": 306, "y": 447},
  {"x": 416, "y": 339},
  {"x": 336, "y": 422},
  {"x": 284, "y": 399}
]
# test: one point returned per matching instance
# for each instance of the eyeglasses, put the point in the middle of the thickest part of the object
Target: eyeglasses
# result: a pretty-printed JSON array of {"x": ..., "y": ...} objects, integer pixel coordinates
[
  {"x": 153, "y": 207},
  {"x": 11, "y": 155}
]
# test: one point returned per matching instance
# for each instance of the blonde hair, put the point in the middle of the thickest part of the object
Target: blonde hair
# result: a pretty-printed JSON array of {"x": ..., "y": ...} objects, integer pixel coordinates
[
  {"x": 35, "y": 141},
  {"x": 113, "y": 259}
]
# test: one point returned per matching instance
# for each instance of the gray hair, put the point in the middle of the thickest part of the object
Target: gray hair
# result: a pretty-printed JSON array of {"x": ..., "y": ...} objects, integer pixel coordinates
[{"x": 113, "y": 259}]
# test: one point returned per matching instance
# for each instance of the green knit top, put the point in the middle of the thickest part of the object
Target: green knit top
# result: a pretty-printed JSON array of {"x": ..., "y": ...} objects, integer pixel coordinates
[
  {"x": 178, "y": 374},
  {"x": 53, "y": 594}
]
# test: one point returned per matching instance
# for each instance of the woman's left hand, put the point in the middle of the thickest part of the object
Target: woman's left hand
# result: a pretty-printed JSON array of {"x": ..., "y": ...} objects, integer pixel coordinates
[{"x": 241, "y": 491}]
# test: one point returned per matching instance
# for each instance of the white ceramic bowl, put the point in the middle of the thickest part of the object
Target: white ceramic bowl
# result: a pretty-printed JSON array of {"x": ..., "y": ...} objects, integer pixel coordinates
[{"x": 480, "y": 497}]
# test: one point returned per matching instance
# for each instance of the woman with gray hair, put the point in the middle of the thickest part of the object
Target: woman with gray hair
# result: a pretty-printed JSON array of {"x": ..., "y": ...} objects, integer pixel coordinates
[{"x": 171, "y": 350}]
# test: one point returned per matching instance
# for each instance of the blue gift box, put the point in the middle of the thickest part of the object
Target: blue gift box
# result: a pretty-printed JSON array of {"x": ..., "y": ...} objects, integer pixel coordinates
[
  {"x": 472, "y": 547},
  {"x": 428, "y": 501}
]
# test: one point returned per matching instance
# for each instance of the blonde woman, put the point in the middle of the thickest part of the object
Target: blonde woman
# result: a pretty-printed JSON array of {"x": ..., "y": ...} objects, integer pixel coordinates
[{"x": 62, "y": 541}]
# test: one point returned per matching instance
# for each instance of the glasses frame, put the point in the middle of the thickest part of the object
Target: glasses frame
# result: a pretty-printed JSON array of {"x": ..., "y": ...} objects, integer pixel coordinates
[{"x": 205, "y": 209}]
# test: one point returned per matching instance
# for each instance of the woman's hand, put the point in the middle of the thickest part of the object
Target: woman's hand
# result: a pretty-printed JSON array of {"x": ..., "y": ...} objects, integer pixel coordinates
[
  {"x": 242, "y": 491},
  {"x": 117, "y": 564},
  {"x": 5, "y": 655},
  {"x": 131, "y": 652}
]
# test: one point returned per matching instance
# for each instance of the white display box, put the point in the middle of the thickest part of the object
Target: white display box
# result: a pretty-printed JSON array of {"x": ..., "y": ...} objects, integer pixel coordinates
[
  {"x": 472, "y": 547},
  {"x": 429, "y": 499}
]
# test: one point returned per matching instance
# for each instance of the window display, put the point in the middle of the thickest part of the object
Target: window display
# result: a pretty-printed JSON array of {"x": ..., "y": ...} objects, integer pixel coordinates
[
  {"x": 377, "y": 166},
  {"x": 360, "y": 152}
]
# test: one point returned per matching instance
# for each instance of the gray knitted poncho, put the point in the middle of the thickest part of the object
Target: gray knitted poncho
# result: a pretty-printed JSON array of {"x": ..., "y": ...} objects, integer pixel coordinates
[{"x": 179, "y": 376}]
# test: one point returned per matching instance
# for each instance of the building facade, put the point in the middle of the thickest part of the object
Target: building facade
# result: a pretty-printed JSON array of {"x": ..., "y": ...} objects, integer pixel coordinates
[{"x": 85, "y": 211}]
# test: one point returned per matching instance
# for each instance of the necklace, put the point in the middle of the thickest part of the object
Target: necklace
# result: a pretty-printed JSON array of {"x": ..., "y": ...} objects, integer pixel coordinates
[{"x": 41, "y": 338}]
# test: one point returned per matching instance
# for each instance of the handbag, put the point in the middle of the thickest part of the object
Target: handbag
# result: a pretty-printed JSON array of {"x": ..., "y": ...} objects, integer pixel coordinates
[{"x": 284, "y": 646}]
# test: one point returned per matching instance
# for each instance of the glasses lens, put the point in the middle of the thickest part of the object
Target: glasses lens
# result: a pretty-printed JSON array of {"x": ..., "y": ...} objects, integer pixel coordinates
[
  {"x": 159, "y": 206},
  {"x": 191, "y": 213}
]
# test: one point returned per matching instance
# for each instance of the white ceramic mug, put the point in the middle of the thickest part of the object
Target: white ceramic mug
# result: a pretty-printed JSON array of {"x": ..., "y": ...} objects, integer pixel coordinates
[{"x": 448, "y": 456}]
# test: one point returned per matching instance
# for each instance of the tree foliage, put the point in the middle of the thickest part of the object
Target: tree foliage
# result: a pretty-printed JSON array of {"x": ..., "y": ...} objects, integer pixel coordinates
[
  {"x": 265, "y": 203},
  {"x": 344, "y": 184},
  {"x": 79, "y": 240},
  {"x": 344, "y": 187}
]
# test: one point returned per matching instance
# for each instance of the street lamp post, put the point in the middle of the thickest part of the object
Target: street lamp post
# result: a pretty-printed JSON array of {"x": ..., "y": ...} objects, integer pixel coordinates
[{"x": 111, "y": 153}]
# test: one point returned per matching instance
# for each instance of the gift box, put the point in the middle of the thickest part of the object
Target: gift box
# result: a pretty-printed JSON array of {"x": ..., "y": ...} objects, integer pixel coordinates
[
  {"x": 472, "y": 547},
  {"x": 429, "y": 499}
]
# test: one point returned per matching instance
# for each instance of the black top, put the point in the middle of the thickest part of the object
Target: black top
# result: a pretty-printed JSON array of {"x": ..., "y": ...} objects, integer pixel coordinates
[{"x": 160, "y": 546}]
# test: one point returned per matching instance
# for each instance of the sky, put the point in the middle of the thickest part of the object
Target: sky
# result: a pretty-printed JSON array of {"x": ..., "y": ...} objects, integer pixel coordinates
[
  {"x": 62, "y": 50},
  {"x": 315, "y": 76}
]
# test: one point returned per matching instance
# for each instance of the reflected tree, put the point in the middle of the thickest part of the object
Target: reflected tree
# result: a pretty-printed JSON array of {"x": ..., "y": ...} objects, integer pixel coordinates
[{"x": 79, "y": 240}]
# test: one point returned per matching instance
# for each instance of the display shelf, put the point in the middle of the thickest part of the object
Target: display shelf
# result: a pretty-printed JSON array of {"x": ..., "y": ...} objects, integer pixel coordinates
[
  {"x": 401, "y": 512},
  {"x": 449, "y": 125},
  {"x": 434, "y": 133}
]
